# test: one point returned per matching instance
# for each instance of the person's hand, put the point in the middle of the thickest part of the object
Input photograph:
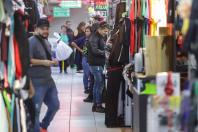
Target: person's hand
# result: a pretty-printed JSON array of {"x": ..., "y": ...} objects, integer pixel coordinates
[
  {"x": 48, "y": 63},
  {"x": 55, "y": 62}
]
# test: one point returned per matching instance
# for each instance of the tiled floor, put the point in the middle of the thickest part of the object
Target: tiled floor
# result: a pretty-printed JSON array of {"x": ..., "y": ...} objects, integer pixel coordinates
[{"x": 75, "y": 115}]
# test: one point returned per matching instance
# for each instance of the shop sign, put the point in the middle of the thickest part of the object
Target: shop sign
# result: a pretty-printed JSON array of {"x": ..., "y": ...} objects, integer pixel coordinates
[
  {"x": 71, "y": 4},
  {"x": 101, "y": 6},
  {"x": 61, "y": 12}
]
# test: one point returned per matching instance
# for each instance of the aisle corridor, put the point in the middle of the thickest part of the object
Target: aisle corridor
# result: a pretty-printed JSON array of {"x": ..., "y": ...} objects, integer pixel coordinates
[{"x": 75, "y": 115}]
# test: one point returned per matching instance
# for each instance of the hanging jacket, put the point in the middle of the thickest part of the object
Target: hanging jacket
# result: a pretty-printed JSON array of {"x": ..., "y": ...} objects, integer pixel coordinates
[
  {"x": 120, "y": 40},
  {"x": 22, "y": 42},
  {"x": 171, "y": 11},
  {"x": 32, "y": 9},
  {"x": 124, "y": 54},
  {"x": 121, "y": 8}
]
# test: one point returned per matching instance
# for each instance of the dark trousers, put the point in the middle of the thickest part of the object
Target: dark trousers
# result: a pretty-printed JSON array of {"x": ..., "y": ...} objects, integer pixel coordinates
[
  {"x": 114, "y": 81},
  {"x": 63, "y": 67}
]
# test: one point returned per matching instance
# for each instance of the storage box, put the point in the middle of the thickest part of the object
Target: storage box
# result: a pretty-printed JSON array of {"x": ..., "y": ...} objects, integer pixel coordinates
[{"x": 164, "y": 31}]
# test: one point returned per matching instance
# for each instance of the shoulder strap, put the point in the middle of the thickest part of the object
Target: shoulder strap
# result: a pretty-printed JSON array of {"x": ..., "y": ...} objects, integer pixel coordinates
[{"x": 44, "y": 47}]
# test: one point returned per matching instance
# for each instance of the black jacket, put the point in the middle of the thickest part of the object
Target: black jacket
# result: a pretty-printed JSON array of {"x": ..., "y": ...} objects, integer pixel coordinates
[{"x": 96, "y": 50}]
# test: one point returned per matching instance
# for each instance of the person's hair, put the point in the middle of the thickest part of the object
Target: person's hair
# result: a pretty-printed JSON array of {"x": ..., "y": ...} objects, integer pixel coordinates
[
  {"x": 103, "y": 25},
  {"x": 89, "y": 27},
  {"x": 67, "y": 21},
  {"x": 63, "y": 26},
  {"x": 81, "y": 24}
]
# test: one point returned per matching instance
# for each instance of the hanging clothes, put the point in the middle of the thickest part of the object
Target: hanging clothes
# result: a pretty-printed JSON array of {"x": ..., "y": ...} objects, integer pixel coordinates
[
  {"x": 120, "y": 8},
  {"x": 120, "y": 40},
  {"x": 4, "y": 44},
  {"x": 2, "y": 11},
  {"x": 8, "y": 5},
  {"x": 32, "y": 9},
  {"x": 124, "y": 54},
  {"x": 22, "y": 42},
  {"x": 4, "y": 121},
  {"x": 11, "y": 57},
  {"x": 191, "y": 39},
  {"x": 171, "y": 11},
  {"x": 132, "y": 38}
]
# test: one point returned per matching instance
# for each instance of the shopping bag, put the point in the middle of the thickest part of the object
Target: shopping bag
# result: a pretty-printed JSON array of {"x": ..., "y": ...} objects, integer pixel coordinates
[{"x": 63, "y": 51}]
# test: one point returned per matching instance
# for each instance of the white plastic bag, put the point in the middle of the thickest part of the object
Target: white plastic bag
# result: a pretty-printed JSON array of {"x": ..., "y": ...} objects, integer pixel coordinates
[{"x": 63, "y": 51}]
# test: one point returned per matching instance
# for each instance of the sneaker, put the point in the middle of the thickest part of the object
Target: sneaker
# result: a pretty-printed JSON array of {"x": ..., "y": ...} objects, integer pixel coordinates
[
  {"x": 100, "y": 109},
  {"x": 88, "y": 99},
  {"x": 43, "y": 130},
  {"x": 94, "y": 108},
  {"x": 86, "y": 91}
]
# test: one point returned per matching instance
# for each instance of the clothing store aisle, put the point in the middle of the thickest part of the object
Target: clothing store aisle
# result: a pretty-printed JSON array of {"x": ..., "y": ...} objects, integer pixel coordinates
[{"x": 75, "y": 115}]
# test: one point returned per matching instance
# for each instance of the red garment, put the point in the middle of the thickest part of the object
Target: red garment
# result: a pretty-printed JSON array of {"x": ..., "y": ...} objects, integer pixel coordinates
[
  {"x": 17, "y": 59},
  {"x": 4, "y": 44},
  {"x": 132, "y": 38}
]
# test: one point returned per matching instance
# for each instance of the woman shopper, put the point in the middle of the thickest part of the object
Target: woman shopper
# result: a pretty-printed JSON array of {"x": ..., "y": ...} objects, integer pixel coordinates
[
  {"x": 82, "y": 42},
  {"x": 64, "y": 37},
  {"x": 78, "y": 56},
  {"x": 96, "y": 59}
]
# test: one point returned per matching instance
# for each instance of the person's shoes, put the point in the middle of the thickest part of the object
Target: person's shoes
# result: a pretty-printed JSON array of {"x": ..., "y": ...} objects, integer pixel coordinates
[
  {"x": 100, "y": 109},
  {"x": 79, "y": 71},
  {"x": 86, "y": 91},
  {"x": 43, "y": 130},
  {"x": 94, "y": 108},
  {"x": 112, "y": 125},
  {"x": 88, "y": 100}
]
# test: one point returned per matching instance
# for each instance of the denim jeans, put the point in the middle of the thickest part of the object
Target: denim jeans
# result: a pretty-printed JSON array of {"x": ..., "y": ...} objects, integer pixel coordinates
[
  {"x": 86, "y": 72},
  {"x": 97, "y": 72},
  {"x": 48, "y": 94}
]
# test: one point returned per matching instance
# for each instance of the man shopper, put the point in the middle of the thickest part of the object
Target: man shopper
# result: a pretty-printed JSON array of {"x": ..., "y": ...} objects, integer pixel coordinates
[
  {"x": 96, "y": 59},
  {"x": 40, "y": 73}
]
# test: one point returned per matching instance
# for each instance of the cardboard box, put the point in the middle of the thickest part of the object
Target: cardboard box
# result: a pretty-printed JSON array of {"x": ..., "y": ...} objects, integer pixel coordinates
[{"x": 158, "y": 55}]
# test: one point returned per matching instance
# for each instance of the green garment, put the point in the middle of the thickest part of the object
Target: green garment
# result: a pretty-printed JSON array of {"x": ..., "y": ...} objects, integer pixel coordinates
[
  {"x": 2, "y": 11},
  {"x": 65, "y": 38}
]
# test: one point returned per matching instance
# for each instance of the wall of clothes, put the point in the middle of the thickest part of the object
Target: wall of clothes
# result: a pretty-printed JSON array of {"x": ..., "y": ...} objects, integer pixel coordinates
[
  {"x": 149, "y": 39},
  {"x": 17, "y": 21}
]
